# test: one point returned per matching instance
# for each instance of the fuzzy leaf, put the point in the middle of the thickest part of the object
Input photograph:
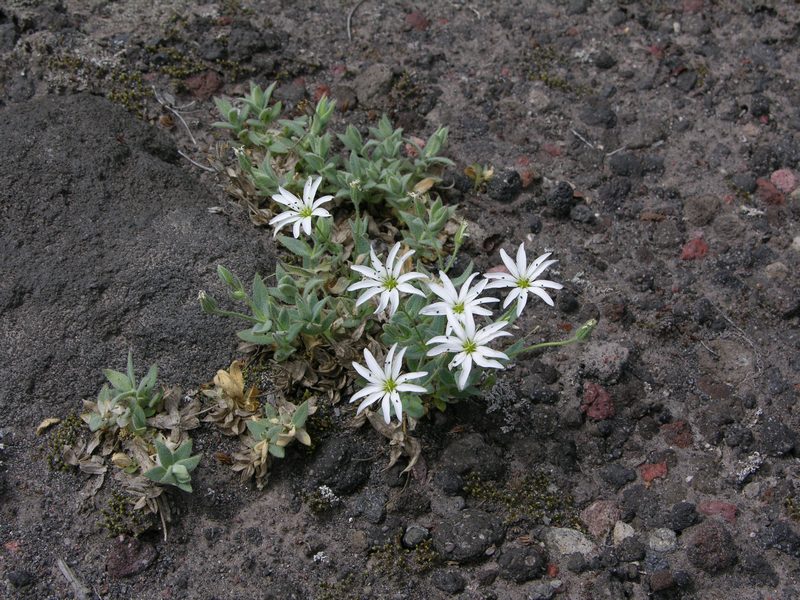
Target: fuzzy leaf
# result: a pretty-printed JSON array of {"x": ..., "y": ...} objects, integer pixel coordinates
[
  {"x": 300, "y": 415},
  {"x": 120, "y": 381}
]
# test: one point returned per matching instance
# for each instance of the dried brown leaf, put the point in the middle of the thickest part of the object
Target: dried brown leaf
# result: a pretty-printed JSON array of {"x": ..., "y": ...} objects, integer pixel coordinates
[{"x": 47, "y": 424}]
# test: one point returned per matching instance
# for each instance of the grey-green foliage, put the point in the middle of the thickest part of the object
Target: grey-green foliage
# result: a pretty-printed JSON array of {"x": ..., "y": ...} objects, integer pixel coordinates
[
  {"x": 281, "y": 426},
  {"x": 126, "y": 404},
  {"x": 386, "y": 167},
  {"x": 249, "y": 122},
  {"x": 174, "y": 467},
  {"x": 387, "y": 170},
  {"x": 377, "y": 169},
  {"x": 308, "y": 299}
]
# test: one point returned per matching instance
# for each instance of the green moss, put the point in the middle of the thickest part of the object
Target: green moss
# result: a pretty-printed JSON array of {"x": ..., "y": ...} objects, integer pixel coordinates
[
  {"x": 119, "y": 517},
  {"x": 321, "y": 500},
  {"x": 425, "y": 556},
  {"x": 65, "y": 435},
  {"x": 395, "y": 562},
  {"x": 346, "y": 588},
  {"x": 128, "y": 90},
  {"x": 543, "y": 60},
  {"x": 534, "y": 498},
  {"x": 703, "y": 72},
  {"x": 124, "y": 87},
  {"x": 792, "y": 506}
]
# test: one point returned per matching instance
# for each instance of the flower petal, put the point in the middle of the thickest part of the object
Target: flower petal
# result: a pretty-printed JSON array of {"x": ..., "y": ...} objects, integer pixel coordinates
[
  {"x": 546, "y": 283},
  {"x": 388, "y": 364},
  {"x": 407, "y": 288},
  {"x": 387, "y": 411},
  {"x": 543, "y": 295},
  {"x": 522, "y": 301},
  {"x": 486, "y": 363},
  {"x": 464, "y": 375},
  {"x": 367, "y": 374},
  {"x": 383, "y": 302},
  {"x": 372, "y": 364},
  {"x": 512, "y": 268},
  {"x": 437, "y": 309},
  {"x": 390, "y": 259},
  {"x": 367, "y": 295},
  {"x": 371, "y": 399},
  {"x": 522, "y": 260},
  {"x": 441, "y": 349},
  {"x": 320, "y": 201},
  {"x": 365, "y": 271},
  {"x": 398, "y": 405},
  {"x": 398, "y": 364},
  {"x": 366, "y": 391},
  {"x": 394, "y": 300},
  {"x": 360, "y": 285}
]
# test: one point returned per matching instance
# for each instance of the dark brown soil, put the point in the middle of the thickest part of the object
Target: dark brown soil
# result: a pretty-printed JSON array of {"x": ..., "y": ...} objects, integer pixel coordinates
[{"x": 652, "y": 146}]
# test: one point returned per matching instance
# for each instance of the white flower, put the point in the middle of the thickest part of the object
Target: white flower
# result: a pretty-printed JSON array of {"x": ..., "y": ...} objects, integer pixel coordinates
[
  {"x": 299, "y": 212},
  {"x": 385, "y": 280},
  {"x": 385, "y": 384},
  {"x": 522, "y": 278},
  {"x": 470, "y": 345},
  {"x": 458, "y": 303}
]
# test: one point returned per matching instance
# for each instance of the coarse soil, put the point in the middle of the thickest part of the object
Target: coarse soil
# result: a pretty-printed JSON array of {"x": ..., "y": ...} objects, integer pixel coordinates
[{"x": 653, "y": 147}]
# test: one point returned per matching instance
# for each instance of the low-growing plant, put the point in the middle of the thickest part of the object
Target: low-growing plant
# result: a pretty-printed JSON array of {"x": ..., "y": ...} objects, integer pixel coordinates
[
  {"x": 174, "y": 466},
  {"x": 143, "y": 429},
  {"x": 427, "y": 338},
  {"x": 269, "y": 435},
  {"x": 126, "y": 404}
]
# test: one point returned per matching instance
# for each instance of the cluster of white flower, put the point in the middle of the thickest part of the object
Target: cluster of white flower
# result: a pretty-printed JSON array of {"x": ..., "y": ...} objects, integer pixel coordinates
[
  {"x": 462, "y": 337},
  {"x": 387, "y": 281}
]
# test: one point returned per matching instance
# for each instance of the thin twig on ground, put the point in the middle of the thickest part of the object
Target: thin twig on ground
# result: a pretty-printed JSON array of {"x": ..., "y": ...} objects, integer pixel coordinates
[
  {"x": 350, "y": 19},
  {"x": 81, "y": 591},
  {"x": 583, "y": 139},
  {"x": 174, "y": 111},
  {"x": 195, "y": 163}
]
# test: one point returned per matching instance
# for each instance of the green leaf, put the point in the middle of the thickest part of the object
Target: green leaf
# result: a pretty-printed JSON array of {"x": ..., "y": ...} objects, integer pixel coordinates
[
  {"x": 95, "y": 422},
  {"x": 149, "y": 380},
  {"x": 164, "y": 454},
  {"x": 131, "y": 374},
  {"x": 261, "y": 339},
  {"x": 257, "y": 428},
  {"x": 118, "y": 380},
  {"x": 191, "y": 462},
  {"x": 229, "y": 279},
  {"x": 138, "y": 419},
  {"x": 277, "y": 451},
  {"x": 260, "y": 296},
  {"x": 413, "y": 406},
  {"x": 300, "y": 415},
  {"x": 295, "y": 246},
  {"x": 183, "y": 451},
  {"x": 156, "y": 474}
]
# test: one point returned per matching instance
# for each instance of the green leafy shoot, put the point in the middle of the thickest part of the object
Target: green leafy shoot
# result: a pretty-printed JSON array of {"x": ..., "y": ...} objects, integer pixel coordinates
[{"x": 174, "y": 467}]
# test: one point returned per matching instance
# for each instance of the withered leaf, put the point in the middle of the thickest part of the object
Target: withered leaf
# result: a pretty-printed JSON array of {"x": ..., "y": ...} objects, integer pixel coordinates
[{"x": 46, "y": 424}]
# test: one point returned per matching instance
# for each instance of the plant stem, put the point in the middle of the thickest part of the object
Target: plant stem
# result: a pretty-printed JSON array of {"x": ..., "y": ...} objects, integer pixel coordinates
[
  {"x": 423, "y": 344},
  {"x": 581, "y": 335}
]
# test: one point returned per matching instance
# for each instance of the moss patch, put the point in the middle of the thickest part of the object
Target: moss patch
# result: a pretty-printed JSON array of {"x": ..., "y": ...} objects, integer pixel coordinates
[{"x": 534, "y": 498}]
